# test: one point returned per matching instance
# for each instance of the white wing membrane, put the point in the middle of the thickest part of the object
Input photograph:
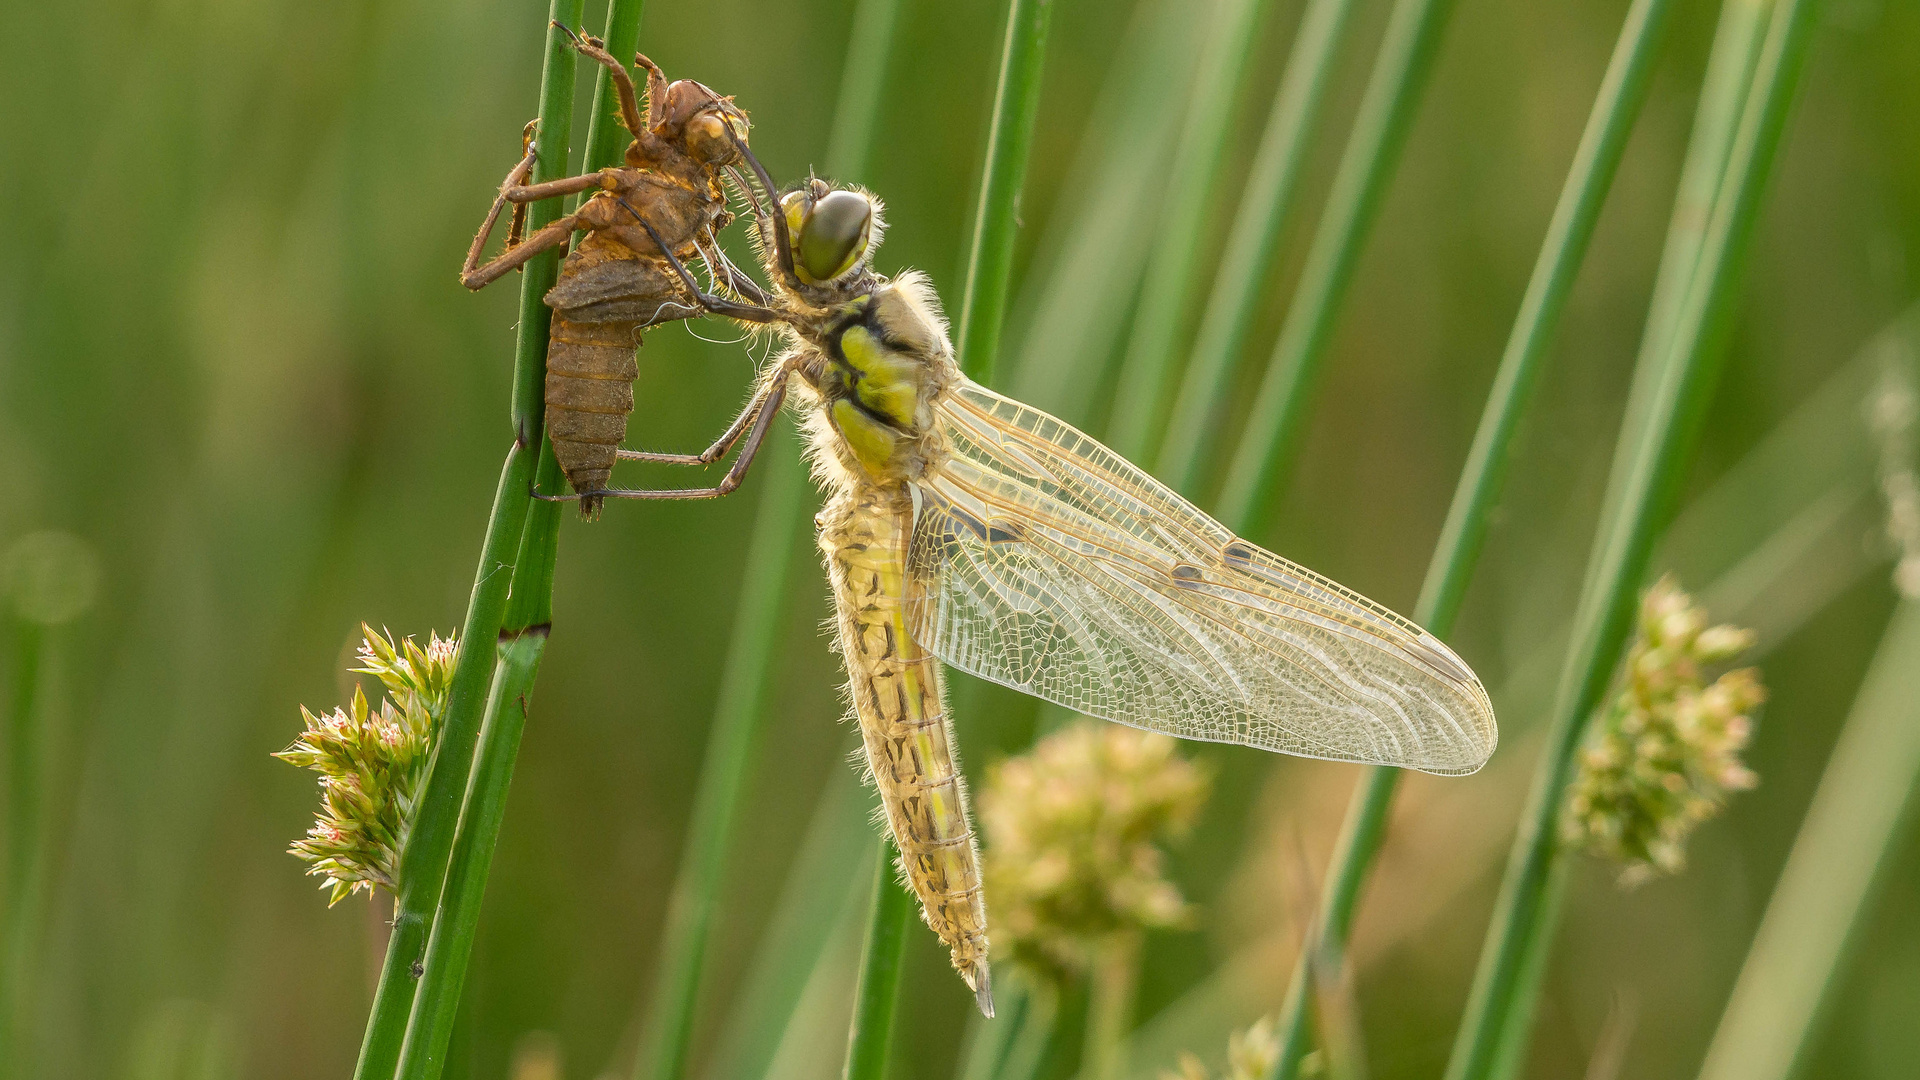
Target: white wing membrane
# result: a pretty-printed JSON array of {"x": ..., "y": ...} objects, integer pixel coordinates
[{"x": 1044, "y": 561}]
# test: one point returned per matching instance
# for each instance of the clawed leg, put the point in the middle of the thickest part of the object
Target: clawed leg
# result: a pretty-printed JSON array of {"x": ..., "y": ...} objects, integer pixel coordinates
[
  {"x": 596, "y": 50},
  {"x": 763, "y": 422},
  {"x": 782, "y": 243},
  {"x": 514, "y": 189},
  {"x": 716, "y": 305},
  {"x": 725, "y": 442}
]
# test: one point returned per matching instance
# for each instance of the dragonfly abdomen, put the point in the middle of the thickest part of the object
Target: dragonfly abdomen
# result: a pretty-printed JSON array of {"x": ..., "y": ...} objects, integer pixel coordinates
[{"x": 898, "y": 695}]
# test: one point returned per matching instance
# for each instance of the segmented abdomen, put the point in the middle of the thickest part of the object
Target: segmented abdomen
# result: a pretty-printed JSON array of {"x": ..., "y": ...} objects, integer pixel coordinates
[
  {"x": 590, "y": 373},
  {"x": 604, "y": 299},
  {"x": 898, "y": 695}
]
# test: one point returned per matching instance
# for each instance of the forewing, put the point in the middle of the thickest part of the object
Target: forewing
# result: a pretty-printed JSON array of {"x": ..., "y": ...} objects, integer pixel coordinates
[{"x": 1044, "y": 561}]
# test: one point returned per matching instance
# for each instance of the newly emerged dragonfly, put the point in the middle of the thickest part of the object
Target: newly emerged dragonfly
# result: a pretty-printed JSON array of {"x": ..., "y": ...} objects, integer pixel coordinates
[{"x": 964, "y": 526}]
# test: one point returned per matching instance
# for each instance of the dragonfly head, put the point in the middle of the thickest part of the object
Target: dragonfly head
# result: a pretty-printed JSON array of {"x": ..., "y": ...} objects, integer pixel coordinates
[{"x": 834, "y": 230}]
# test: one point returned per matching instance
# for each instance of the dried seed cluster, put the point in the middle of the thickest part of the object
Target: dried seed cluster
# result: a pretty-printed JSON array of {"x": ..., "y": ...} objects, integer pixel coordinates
[
  {"x": 1074, "y": 829},
  {"x": 371, "y": 762},
  {"x": 1666, "y": 753}
]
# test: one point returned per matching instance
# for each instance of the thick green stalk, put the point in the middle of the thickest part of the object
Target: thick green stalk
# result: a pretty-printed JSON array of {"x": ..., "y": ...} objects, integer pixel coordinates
[
  {"x": 1828, "y": 882},
  {"x": 437, "y": 1003},
  {"x": 1016, "y": 105},
  {"x": 871, "y": 1036},
  {"x": 26, "y": 846},
  {"x": 746, "y": 678},
  {"x": 1159, "y": 324},
  {"x": 1625, "y": 540},
  {"x": 424, "y": 863},
  {"x": 1723, "y": 95},
  {"x": 1253, "y": 242},
  {"x": 1380, "y": 131},
  {"x": 1110, "y": 1000},
  {"x": 607, "y": 136}
]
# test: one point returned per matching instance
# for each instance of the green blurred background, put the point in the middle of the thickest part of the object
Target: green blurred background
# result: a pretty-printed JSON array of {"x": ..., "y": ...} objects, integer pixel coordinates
[{"x": 235, "y": 360}]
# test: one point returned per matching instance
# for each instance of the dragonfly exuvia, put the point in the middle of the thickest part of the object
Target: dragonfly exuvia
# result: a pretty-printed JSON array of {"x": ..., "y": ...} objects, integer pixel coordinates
[{"x": 963, "y": 526}]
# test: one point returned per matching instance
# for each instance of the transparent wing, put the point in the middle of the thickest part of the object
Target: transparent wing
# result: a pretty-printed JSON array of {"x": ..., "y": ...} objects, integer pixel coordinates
[{"x": 1046, "y": 562}]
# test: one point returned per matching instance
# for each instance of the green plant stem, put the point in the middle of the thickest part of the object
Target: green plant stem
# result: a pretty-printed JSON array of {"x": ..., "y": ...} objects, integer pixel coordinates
[
  {"x": 1380, "y": 131},
  {"x": 607, "y": 135},
  {"x": 437, "y": 1003},
  {"x": 1828, "y": 882},
  {"x": 1172, "y": 269},
  {"x": 737, "y": 720},
  {"x": 26, "y": 829},
  {"x": 746, "y": 678},
  {"x": 424, "y": 862},
  {"x": 1595, "y": 162},
  {"x": 871, "y": 1036},
  {"x": 1253, "y": 241},
  {"x": 1723, "y": 95},
  {"x": 1624, "y": 541},
  {"x": 1516, "y": 1033},
  {"x": 1111, "y": 989},
  {"x": 1016, "y": 105}
]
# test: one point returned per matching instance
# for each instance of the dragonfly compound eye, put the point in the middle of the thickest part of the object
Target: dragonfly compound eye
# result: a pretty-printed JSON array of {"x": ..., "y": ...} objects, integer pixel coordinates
[{"x": 832, "y": 235}]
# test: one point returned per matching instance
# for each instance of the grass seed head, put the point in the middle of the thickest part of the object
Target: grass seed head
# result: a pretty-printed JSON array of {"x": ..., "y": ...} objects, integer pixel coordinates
[
  {"x": 371, "y": 763},
  {"x": 1665, "y": 754},
  {"x": 1074, "y": 830}
]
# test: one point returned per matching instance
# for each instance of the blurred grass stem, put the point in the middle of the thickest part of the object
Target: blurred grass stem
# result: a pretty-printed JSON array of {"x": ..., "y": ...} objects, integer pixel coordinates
[
  {"x": 1173, "y": 269},
  {"x": 1828, "y": 881},
  {"x": 870, "y": 1038},
  {"x": 1111, "y": 987},
  {"x": 1595, "y": 162},
  {"x": 1253, "y": 241},
  {"x": 1654, "y": 462},
  {"x": 746, "y": 680},
  {"x": 424, "y": 863},
  {"x": 1393, "y": 92},
  {"x": 1016, "y": 105}
]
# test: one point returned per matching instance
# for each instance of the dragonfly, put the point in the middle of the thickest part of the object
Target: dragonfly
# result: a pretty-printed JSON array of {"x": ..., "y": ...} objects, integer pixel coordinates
[{"x": 963, "y": 526}]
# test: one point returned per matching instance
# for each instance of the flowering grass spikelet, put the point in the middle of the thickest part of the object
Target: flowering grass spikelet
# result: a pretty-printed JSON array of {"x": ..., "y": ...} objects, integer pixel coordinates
[
  {"x": 1250, "y": 1056},
  {"x": 1074, "y": 829},
  {"x": 1666, "y": 753},
  {"x": 371, "y": 763}
]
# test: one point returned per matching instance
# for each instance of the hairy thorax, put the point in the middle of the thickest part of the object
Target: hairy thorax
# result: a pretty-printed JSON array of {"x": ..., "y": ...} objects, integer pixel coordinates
[{"x": 880, "y": 364}]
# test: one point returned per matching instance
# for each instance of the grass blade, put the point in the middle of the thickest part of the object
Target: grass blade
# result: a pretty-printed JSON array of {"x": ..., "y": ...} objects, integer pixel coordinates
[
  {"x": 424, "y": 864},
  {"x": 1829, "y": 876},
  {"x": 1173, "y": 269},
  {"x": 1654, "y": 465},
  {"x": 1386, "y": 115},
  {"x": 746, "y": 679},
  {"x": 1016, "y": 104},
  {"x": 871, "y": 1037},
  {"x": 437, "y": 1002},
  {"x": 1266, "y": 207}
]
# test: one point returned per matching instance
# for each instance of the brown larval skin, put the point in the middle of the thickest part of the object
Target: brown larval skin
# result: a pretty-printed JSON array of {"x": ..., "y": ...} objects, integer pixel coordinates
[{"x": 615, "y": 283}]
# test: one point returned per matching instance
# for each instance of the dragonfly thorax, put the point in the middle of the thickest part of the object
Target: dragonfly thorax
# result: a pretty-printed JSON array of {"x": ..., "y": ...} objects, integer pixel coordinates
[{"x": 883, "y": 360}]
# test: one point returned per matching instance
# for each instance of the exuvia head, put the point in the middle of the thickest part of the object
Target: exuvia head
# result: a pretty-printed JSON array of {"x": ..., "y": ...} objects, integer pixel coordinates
[
  {"x": 701, "y": 119},
  {"x": 834, "y": 230}
]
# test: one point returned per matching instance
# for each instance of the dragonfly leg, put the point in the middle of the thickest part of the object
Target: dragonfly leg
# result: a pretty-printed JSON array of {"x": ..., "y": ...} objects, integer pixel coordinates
[
  {"x": 724, "y": 443},
  {"x": 596, "y": 50},
  {"x": 727, "y": 485},
  {"x": 717, "y": 305}
]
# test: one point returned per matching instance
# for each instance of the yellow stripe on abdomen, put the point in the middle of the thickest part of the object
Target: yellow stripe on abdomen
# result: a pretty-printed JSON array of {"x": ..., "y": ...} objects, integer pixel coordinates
[{"x": 898, "y": 695}]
